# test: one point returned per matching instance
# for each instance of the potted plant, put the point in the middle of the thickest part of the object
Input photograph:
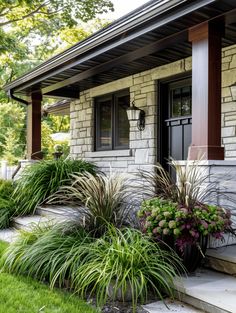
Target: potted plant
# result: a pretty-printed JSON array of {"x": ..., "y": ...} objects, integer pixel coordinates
[
  {"x": 178, "y": 213},
  {"x": 185, "y": 229}
]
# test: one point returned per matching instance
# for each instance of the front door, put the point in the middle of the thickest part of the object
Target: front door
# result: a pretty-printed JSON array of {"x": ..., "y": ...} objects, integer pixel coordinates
[{"x": 176, "y": 110}]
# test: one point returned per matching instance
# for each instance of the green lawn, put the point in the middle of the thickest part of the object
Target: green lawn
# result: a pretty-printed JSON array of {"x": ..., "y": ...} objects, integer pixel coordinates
[{"x": 23, "y": 295}]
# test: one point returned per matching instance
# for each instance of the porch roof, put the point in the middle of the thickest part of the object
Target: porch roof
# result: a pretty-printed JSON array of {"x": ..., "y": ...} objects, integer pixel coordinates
[{"x": 152, "y": 35}]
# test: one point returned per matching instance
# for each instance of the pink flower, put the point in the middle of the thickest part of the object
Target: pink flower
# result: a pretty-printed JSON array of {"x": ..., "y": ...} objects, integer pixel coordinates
[{"x": 204, "y": 224}]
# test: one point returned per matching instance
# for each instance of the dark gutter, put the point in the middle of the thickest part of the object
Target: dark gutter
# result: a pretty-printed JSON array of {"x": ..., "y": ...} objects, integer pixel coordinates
[
  {"x": 12, "y": 96},
  {"x": 154, "y": 10}
]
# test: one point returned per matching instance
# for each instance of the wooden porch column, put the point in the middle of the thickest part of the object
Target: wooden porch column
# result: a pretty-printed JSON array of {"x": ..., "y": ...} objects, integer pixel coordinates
[
  {"x": 34, "y": 126},
  {"x": 206, "y": 91}
]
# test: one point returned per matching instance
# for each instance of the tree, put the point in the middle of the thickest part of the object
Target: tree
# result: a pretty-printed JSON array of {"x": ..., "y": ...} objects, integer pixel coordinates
[
  {"x": 43, "y": 17},
  {"x": 30, "y": 32},
  {"x": 12, "y": 131}
]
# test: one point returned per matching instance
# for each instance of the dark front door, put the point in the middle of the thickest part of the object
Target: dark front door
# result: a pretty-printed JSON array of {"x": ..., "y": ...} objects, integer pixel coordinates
[{"x": 176, "y": 119}]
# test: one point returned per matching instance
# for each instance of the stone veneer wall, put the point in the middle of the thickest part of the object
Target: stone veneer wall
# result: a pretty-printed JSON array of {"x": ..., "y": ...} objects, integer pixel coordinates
[
  {"x": 143, "y": 90},
  {"x": 143, "y": 145}
]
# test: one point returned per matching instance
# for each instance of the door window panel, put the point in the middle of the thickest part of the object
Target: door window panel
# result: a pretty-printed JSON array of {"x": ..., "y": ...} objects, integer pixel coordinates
[{"x": 181, "y": 102}]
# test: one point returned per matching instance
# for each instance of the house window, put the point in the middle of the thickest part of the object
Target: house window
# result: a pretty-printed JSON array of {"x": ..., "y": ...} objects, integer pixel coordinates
[{"x": 111, "y": 122}]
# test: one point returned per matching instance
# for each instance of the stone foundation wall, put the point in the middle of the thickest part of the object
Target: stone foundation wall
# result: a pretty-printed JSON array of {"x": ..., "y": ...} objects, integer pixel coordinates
[{"x": 143, "y": 90}]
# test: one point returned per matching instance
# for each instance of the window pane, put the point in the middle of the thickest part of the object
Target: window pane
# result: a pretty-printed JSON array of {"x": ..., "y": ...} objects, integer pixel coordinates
[
  {"x": 104, "y": 124},
  {"x": 122, "y": 123},
  {"x": 186, "y": 100},
  {"x": 176, "y": 103}
]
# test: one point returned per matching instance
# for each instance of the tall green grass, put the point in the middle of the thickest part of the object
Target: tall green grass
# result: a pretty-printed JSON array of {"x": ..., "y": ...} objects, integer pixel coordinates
[
  {"x": 120, "y": 261},
  {"x": 41, "y": 179},
  {"x": 48, "y": 252},
  {"x": 124, "y": 261},
  {"x": 23, "y": 294}
]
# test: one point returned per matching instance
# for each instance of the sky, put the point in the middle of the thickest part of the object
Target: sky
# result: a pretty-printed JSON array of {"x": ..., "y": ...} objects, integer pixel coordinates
[{"x": 123, "y": 7}]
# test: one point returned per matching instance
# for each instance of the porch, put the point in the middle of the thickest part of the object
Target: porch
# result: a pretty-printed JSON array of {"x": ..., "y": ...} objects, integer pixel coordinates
[{"x": 163, "y": 43}]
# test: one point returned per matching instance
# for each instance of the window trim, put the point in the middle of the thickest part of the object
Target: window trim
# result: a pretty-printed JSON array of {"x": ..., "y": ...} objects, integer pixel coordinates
[{"x": 113, "y": 97}]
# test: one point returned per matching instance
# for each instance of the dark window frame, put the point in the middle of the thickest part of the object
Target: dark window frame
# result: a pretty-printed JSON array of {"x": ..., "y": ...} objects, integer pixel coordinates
[{"x": 113, "y": 97}]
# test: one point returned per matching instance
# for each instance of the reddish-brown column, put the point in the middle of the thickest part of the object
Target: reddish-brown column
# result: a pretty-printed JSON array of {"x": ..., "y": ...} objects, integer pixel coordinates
[
  {"x": 206, "y": 91},
  {"x": 34, "y": 126}
]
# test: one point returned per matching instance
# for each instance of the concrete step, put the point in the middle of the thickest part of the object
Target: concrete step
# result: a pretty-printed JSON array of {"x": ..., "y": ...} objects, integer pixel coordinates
[
  {"x": 209, "y": 291},
  {"x": 64, "y": 212},
  {"x": 8, "y": 235},
  {"x": 28, "y": 222},
  {"x": 222, "y": 259}
]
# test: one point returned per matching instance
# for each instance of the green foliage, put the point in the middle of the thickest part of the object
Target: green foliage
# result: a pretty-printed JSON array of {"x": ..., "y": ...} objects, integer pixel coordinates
[
  {"x": 47, "y": 141},
  {"x": 7, "y": 206},
  {"x": 51, "y": 253},
  {"x": 121, "y": 260},
  {"x": 41, "y": 179},
  {"x": 125, "y": 261},
  {"x": 45, "y": 17},
  {"x": 15, "y": 292},
  {"x": 161, "y": 219},
  {"x": 52, "y": 125},
  {"x": 12, "y": 131},
  {"x": 107, "y": 199}
]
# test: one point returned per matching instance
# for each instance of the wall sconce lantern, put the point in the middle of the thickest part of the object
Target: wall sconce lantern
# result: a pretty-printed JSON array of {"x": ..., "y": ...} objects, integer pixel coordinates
[
  {"x": 136, "y": 114},
  {"x": 233, "y": 91}
]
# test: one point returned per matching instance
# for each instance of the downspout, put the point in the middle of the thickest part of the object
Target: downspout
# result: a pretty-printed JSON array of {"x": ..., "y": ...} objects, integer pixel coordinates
[
  {"x": 11, "y": 94},
  {"x": 22, "y": 101}
]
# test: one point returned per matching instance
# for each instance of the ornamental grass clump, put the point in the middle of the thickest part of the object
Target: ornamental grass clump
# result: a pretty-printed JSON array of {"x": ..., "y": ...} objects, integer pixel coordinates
[
  {"x": 125, "y": 261},
  {"x": 118, "y": 263},
  {"x": 50, "y": 253},
  {"x": 41, "y": 179},
  {"x": 192, "y": 185},
  {"x": 101, "y": 199},
  {"x": 163, "y": 219}
]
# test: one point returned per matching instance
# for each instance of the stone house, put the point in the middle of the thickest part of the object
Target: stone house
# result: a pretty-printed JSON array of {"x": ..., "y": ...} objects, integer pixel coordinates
[
  {"x": 172, "y": 65},
  {"x": 173, "y": 60},
  {"x": 163, "y": 58}
]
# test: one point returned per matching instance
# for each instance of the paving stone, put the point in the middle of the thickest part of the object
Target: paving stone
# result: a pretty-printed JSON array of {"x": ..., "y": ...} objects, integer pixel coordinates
[
  {"x": 209, "y": 291},
  {"x": 171, "y": 306}
]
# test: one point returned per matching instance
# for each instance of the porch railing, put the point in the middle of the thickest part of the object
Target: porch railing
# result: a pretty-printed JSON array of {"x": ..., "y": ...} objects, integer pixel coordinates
[{"x": 7, "y": 171}]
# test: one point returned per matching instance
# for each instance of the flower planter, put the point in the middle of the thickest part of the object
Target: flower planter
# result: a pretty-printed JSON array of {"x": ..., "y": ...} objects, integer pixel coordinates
[{"x": 192, "y": 255}]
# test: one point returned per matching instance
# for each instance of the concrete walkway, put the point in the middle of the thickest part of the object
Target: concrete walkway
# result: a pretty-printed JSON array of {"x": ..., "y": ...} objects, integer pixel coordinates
[{"x": 171, "y": 306}]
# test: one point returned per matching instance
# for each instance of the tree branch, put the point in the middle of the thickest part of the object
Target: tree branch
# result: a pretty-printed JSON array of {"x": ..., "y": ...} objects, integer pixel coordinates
[{"x": 37, "y": 10}]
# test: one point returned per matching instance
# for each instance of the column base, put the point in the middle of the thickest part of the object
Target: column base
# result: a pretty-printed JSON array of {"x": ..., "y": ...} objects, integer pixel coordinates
[{"x": 206, "y": 153}]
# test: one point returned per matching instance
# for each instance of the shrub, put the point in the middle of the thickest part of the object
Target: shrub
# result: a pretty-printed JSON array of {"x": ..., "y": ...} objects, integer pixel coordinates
[
  {"x": 6, "y": 203},
  {"x": 163, "y": 218},
  {"x": 41, "y": 179},
  {"x": 107, "y": 199}
]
